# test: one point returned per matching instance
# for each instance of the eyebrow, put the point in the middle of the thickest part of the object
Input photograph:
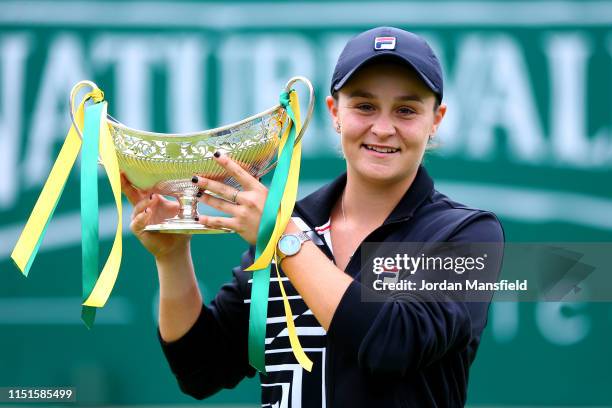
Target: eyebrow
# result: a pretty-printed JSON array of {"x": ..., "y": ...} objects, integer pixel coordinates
[{"x": 368, "y": 95}]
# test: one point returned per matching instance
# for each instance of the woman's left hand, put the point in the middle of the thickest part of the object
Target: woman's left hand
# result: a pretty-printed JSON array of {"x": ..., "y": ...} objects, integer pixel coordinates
[{"x": 245, "y": 206}]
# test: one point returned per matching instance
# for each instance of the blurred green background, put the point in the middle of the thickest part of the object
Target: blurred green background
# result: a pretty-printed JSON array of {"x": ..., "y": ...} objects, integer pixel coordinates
[{"x": 528, "y": 135}]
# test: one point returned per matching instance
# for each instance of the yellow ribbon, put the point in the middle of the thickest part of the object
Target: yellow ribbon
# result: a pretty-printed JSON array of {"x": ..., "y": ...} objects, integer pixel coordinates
[
  {"x": 289, "y": 195},
  {"x": 283, "y": 217},
  {"x": 27, "y": 245},
  {"x": 32, "y": 235},
  {"x": 296, "y": 346}
]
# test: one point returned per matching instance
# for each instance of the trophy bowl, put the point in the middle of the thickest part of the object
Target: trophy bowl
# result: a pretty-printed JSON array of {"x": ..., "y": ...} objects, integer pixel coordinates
[{"x": 164, "y": 163}]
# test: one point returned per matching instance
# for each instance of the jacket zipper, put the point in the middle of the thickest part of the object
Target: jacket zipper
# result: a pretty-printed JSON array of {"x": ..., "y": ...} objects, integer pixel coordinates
[{"x": 328, "y": 385}]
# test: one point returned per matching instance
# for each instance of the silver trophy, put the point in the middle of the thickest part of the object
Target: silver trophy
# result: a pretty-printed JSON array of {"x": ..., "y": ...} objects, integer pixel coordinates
[{"x": 165, "y": 163}]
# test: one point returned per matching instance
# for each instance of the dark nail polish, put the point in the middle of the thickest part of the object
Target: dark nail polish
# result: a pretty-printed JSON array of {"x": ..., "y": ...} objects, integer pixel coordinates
[
  {"x": 217, "y": 154},
  {"x": 151, "y": 197},
  {"x": 199, "y": 194},
  {"x": 194, "y": 179},
  {"x": 197, "y": 218}
]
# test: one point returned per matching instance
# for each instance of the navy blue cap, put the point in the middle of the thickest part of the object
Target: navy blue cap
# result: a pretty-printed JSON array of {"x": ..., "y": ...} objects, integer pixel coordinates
[{"x": 389, "y": 42}]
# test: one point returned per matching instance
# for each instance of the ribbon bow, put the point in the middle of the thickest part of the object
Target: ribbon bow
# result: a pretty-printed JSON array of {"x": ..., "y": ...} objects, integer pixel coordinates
[
  {"x": 97, "y": 142},
  {"x": 282, "y": 194}
]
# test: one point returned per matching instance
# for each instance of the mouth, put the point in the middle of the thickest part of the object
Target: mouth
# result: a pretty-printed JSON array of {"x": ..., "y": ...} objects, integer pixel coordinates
[{"x": 381, "y": 149}]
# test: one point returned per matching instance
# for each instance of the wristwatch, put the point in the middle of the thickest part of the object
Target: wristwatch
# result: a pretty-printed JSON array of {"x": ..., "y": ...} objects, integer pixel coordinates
[{"x": 290, "y": 244}]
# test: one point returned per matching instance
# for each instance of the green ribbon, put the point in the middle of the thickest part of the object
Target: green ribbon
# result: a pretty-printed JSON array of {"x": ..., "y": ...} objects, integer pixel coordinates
[
  {"x": 261, "y": 278},
  {"x": 89, "y": 206}
]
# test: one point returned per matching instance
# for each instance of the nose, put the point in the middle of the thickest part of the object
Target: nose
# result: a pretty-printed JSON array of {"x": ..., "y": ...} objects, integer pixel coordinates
[{"x": 383, "y": 127}]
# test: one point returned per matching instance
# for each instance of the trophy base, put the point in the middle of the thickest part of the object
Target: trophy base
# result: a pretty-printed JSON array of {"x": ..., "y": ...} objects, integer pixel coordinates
[{"x": 185, "y": 228}]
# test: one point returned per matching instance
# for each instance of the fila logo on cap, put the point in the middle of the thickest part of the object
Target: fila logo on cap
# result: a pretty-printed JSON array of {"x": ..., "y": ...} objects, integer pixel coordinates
[{"x": 384, "y": 43}]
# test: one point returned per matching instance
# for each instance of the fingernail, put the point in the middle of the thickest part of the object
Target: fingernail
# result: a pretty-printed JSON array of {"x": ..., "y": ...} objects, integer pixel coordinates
[
  {"x": 199, "y": 194},
  {"x": 197, "y": 218},
  {"x": 194, "y": 179},
  {"x": 217, "y": 154},
  {"x": 151, "y": 197}
]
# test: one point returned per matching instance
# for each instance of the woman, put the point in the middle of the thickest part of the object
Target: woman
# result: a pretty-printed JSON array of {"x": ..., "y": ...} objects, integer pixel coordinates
[{"x": 385, "y": 105}]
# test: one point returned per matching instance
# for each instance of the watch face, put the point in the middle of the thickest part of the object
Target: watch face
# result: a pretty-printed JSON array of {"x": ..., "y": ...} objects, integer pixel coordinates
[{"x": 289, "y": 245}]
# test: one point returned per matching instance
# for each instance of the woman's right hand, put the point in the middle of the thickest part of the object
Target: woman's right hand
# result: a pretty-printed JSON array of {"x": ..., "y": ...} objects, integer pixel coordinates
[{"x": 154, "y": 209}]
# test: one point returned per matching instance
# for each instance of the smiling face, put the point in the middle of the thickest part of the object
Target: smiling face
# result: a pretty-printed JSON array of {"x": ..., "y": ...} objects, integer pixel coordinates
[{"x": 386, "y": 115}]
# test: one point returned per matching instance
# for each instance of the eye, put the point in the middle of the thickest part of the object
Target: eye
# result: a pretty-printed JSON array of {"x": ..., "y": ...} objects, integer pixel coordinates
[
  {"x": 365, "y": 107},
  {"x": 404, "y": 110}
]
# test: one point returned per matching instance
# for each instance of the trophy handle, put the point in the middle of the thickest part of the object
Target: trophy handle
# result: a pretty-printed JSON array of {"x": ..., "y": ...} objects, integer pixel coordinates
[
  {"x": 292, "y": 81},
  {"x": 73, "y": 93},
  {"x": 310, "y": 103}
]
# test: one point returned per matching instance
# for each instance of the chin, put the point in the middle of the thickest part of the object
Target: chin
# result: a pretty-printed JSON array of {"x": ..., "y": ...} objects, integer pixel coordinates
[
  {"x": 380, "y": 176},
  {"x": 388, "y": 173}
]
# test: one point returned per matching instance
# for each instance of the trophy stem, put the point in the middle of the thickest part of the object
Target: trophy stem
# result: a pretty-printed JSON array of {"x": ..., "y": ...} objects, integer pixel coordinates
[
  {"x": 188, "y": 207},
  {"x": 185, "y": 221}
]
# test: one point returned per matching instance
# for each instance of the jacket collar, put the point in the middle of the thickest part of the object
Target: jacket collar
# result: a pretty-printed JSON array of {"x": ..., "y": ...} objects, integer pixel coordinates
[{"x": 316, "y": 207}]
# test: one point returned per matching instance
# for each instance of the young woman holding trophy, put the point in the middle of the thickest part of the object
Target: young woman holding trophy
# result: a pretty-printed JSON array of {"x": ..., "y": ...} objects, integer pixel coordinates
[{"x": 385, "y": 104}]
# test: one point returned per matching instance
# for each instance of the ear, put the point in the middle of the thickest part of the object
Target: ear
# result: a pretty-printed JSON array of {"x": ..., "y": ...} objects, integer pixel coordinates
[
  {"x": 438, "y": 116},
  {"x": 332, "y": 107}
]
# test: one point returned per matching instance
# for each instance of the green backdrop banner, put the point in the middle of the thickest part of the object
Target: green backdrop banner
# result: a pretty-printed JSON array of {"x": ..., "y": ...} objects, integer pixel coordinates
[{"x": 528, "y": 135}]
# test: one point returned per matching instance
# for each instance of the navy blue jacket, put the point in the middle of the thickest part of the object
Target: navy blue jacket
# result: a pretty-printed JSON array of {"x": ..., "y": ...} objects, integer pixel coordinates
[{"x": 399, "y": 352}]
